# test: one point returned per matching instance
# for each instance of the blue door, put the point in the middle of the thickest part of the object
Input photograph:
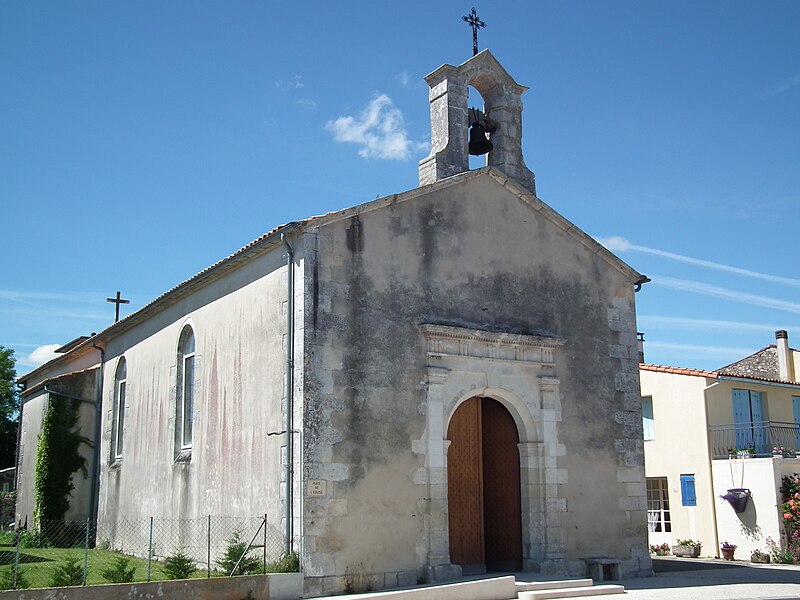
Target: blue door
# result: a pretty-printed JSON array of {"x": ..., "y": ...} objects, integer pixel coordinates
[{"x": 748, "y": 421}]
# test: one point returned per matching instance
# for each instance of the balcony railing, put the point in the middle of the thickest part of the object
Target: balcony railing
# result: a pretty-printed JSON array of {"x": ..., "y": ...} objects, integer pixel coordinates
[{"x": 759, "y": 437}]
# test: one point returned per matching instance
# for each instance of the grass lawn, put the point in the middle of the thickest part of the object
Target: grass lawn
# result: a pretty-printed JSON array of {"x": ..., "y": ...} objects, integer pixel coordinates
[{"x": 38, "y": 564}]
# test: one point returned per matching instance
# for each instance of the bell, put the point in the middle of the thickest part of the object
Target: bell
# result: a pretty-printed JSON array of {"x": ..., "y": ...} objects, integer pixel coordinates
[{"x": 478, "y": 144}]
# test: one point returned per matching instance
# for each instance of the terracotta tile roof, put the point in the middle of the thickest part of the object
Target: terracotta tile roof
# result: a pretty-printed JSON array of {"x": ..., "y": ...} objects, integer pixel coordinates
[
  {"x": 678, "y": 370},
  {"x": 712, "y": 374}
]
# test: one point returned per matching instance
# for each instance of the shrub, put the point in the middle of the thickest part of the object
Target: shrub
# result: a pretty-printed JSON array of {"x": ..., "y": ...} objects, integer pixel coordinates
[
  {"x": 288, "y": 563},
  {"x": 68, "y": 574},
  {"x": 179, "y": 566},
  {"x": 238, "y": 549},
  {"x": 119, "y": 572},
  {"x": 7, "y": 580},
  {"x": 32, "y": 539}
]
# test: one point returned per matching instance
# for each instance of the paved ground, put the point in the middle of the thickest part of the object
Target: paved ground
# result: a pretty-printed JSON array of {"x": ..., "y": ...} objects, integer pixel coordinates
[{"x": 699, "y": 579}]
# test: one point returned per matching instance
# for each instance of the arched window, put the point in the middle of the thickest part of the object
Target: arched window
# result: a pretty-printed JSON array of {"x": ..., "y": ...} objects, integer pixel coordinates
[
  {"x": 185, "y": 387},
  {"x": 118, "y": 424}
]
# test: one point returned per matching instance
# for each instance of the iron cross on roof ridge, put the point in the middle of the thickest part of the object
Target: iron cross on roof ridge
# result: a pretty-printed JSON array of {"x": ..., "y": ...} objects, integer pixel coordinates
[
  {"x": 117, "y": 301},
  {"x": 475, "y": 23}
]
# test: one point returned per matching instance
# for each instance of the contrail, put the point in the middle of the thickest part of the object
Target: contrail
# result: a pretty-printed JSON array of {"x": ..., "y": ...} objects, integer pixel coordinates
[
  {"x": 618, "y": 244},
  {"x": 705, "y": 289},
  {"x": 658, "y": 321},
  {"x": 705, "y": 350}
]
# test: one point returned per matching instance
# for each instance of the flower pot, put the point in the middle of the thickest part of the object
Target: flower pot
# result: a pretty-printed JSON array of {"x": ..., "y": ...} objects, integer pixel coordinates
[
  {"x": 737, "y": 498},
  {"x": 686, "y": 551},
  {"x": 727, "y": 553},
  {"x": 759, "y": 557}
]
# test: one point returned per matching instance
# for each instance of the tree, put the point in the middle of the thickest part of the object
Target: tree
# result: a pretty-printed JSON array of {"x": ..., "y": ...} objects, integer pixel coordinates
[{"x": 8, "y": 408}]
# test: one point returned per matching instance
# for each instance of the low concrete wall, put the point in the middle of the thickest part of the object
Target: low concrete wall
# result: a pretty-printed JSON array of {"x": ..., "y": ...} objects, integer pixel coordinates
[{"x": 278, "y": 586}]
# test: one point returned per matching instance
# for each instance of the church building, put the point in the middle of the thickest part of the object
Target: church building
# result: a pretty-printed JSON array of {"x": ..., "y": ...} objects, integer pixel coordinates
[{"x": 437, "y": 382}]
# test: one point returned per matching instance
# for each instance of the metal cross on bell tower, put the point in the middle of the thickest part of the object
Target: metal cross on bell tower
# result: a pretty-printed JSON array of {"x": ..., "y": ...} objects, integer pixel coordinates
[{"x": 475, "y": 23}]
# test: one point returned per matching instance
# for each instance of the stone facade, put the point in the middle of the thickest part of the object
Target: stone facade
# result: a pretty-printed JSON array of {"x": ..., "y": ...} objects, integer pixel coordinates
[{"x": 415, "y": 304}]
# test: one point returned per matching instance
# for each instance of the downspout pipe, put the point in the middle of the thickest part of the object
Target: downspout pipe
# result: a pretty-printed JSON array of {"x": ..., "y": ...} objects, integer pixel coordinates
[
  {"x": 98, "y": 406},
  {"x": 289, "y": 467}
]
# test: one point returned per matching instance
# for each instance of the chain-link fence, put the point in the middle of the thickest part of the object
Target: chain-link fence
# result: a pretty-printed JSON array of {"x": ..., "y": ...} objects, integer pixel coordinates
[{"x": 57, "y": 554}]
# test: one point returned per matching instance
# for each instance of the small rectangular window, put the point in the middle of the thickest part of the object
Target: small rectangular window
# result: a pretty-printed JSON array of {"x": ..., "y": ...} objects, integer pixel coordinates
[
  {"x": 648, "y": 425},
  {"x": 688, "y": 493}
]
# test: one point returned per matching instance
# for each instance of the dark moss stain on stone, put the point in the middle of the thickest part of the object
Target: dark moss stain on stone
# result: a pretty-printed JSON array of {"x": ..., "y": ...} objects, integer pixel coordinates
[
  {"x": 355, "y": 235},
  {"x": 315, "y": 293}
]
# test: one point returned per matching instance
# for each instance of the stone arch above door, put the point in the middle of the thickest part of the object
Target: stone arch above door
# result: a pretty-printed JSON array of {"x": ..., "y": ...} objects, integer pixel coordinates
[{"x": 518, "y": 371}]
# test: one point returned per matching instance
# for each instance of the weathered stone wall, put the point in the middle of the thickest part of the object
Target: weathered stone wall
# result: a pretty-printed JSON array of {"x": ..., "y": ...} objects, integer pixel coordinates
[
  {"x": 470, "y": 253},
  {"x": 235, "y": 468},
  {"x": 81, "y": 385}
]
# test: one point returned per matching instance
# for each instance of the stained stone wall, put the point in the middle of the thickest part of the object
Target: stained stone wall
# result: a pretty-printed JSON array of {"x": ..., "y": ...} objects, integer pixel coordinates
[{"x": 417, "y": 302}]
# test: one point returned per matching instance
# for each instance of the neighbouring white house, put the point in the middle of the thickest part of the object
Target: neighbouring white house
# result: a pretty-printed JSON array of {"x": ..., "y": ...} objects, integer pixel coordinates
[
  {"x": 440, "y": 381},
  {"x": 708, "y": 432}
]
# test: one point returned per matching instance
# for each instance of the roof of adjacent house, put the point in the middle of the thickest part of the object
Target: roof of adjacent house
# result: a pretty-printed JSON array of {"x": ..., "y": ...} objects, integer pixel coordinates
[
  {"x": 678, "y": 371},
  {"x": 273, "y": 238},
  {"x": 761, "y": 366}
]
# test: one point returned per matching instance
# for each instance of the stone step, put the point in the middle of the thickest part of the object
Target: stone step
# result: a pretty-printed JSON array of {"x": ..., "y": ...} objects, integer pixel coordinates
[
  {"x": 530, "y": 586},
  {"x": 496, "y": 588},
  {"x": 574, "y": 592}
]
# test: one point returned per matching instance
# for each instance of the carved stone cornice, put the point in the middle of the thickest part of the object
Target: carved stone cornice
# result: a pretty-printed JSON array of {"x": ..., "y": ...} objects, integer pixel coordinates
[{"x": 449, "y": 341}]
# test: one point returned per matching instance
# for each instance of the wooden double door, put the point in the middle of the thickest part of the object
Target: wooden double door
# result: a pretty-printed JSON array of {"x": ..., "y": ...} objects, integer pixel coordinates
[{"x": 483, "y": 487}]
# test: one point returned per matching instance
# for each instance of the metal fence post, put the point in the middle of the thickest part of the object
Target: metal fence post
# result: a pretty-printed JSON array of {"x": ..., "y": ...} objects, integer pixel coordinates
[
  {"x": 208, "y": 553},
  {"x": 86, "y": 552},
  {"x": 16, "y": 560},
  {"x": 265, "y": 543},
  {"x": 150, "y": 549}
]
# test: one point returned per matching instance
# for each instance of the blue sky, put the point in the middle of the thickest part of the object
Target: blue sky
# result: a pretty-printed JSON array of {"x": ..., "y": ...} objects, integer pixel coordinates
[{"x": 143, "y": 141}]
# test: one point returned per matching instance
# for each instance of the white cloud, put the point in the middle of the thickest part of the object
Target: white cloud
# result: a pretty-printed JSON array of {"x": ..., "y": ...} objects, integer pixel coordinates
[
  {"x": 307, "y": 103},
  {"x": 41, "y": 355},
  {"x": 615, "y": 243},
  {"x": 295, "y": 83},
  {"x": 379, "y": 130},
  {"x": 403, "y": 78}
]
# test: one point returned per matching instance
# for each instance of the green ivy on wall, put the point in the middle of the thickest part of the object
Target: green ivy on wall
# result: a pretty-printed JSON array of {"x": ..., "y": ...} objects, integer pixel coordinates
[{"x": 57, "y": 458}]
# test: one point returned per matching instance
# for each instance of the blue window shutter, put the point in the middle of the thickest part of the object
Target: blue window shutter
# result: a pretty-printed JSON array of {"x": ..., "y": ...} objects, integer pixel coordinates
[
  {"x": 796, "y": 412},
  {"x": 742, "y": 419},
  {"x": 688, "y": 493}
]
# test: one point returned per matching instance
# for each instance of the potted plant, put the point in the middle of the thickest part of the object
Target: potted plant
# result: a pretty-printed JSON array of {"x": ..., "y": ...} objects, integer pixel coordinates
[
  {"x": 659, "y": 549},
  {"x": 746, "y": 452},
  {"x": 737, "y": 498},
  {"x": 728, "y": 550},
  {"x": 759, "y": 557},
  {"x": 687, "y": 548},
  {"x": 778, "y": 452}
]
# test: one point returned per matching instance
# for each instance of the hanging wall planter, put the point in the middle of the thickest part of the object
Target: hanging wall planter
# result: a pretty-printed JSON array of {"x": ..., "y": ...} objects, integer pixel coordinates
[{"x": 737, "y": 498}]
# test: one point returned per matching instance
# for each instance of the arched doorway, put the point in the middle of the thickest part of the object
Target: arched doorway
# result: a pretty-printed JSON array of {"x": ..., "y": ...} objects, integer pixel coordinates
[{"x": 483, "y": 488}]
